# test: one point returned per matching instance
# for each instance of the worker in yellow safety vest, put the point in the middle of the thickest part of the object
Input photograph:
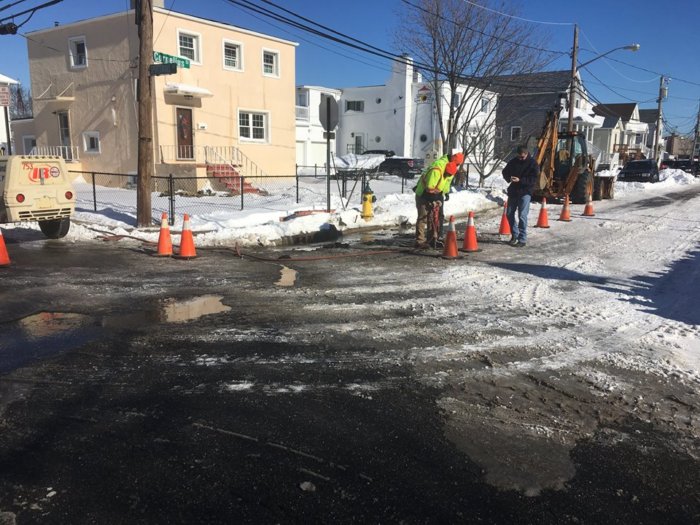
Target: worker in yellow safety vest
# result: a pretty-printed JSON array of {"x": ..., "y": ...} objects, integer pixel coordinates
[{"x": 431, "y": 191}]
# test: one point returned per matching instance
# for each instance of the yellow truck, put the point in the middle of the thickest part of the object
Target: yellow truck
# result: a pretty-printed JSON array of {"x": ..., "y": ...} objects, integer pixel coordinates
[{"x": 36, "y": 188}]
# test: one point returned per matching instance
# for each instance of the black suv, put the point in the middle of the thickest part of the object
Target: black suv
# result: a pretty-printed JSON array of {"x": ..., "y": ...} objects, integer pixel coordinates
[
  {"x": 639, "y": 170},
  {"x": 405, "y": 167},
  {"x": 682, "y": 164}
]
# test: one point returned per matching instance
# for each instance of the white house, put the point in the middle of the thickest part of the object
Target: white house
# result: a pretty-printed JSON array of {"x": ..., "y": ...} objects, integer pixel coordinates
[
  {"x": 310, "y": 143},
  {"x": 401, "y": 115}
]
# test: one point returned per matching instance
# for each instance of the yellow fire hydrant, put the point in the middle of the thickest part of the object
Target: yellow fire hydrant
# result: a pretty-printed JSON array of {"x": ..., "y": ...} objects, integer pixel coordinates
[{"x": 368, "y": 198}]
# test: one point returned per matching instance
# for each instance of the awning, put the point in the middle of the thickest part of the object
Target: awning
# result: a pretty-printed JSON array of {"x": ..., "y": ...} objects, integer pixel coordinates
[
  {"x": 581, "y": 116},
  {"x": 7, "y": 80},
  {"x": 187, "y": 91}
]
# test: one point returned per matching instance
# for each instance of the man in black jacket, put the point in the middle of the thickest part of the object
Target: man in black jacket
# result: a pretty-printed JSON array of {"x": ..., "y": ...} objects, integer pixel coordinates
[{"x": 521, "y": 172}]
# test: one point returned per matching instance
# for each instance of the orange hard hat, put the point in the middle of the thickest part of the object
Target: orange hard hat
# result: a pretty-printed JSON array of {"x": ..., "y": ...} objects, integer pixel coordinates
[{"x": 458, "y": 158}]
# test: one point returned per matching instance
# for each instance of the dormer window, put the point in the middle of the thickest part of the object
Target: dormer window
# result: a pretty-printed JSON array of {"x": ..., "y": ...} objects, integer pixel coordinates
[{"x": 77, "y": 49}]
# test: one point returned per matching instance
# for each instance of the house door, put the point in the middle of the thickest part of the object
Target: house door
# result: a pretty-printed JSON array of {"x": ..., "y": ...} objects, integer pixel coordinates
[
  {"x": 359, "y": 145},
  {"x": 64, "y": 135},
  {"x": 185, "y": 145}
]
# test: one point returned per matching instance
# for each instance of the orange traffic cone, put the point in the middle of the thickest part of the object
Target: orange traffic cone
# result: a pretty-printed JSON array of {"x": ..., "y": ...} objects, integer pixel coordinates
[
  {"x": 4, "y": 257},
  {"x": 505, "y": 225},
  {"x": 187, "y": 250},
  {"x": 588, "y": 210},
  {"x": 542, "y": 220},
  {"x": 450, "y": 250},
  {"x": 565, "y": 213},
  {"x": 165, "y": 245},
  {"x": 470, "y": 244}
]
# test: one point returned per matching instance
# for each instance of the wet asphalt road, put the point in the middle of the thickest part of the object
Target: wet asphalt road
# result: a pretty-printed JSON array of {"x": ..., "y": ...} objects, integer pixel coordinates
[{"x": 137, "y": 390}]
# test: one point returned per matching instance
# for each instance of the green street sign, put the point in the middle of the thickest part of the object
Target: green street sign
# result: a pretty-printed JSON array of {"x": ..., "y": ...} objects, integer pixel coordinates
[{"x": 164, "y": 58}]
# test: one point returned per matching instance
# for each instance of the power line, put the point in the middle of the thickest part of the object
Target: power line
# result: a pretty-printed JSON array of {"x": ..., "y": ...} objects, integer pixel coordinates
[
  {"x": 610, "y": 66},
  {"x": 518, "y": 17},
  {"x": 655, "y": 72},
  {"x": 519, "y": 44}
]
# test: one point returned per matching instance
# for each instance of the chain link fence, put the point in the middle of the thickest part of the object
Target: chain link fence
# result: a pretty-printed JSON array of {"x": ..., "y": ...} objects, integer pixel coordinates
[{"x": 115, "y": 193}]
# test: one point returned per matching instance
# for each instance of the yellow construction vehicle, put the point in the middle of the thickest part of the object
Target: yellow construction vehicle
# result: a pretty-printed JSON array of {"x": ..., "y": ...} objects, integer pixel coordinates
[{"x": 566, "y": 168}]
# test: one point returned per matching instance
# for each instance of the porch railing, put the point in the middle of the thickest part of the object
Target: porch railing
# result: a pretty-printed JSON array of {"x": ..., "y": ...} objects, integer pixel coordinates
[
  {"x": 69, "y": 153},
  {"x": 212, "y": 155}
]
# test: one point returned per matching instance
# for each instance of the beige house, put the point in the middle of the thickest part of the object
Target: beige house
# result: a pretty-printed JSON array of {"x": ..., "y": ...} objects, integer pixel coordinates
[{"x": 229, "y": 107}]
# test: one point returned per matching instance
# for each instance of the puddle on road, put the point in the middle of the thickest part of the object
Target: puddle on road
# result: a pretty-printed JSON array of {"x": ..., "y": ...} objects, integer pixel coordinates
[
  {"x": 176, "y": 311},
  {"x": 46, "y": 334},
  {"x": 41, "y": 335},
  {"x": 288, "y": 277},
  {"x": 168, "y": 311},
  {"x": 45, "y": 324}
]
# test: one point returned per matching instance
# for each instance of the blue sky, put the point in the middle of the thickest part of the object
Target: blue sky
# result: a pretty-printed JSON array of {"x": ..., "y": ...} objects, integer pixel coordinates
[{"x": 667, "y": 32}]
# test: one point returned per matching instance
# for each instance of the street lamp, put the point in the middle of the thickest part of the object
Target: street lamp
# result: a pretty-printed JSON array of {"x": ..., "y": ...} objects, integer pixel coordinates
[{"x": 574, "y": 58}]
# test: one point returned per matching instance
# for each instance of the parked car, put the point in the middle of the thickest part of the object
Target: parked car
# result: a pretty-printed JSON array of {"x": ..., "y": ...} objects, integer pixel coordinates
[
  {"x": 681, "y": 164},
  {"x": 639, "y": 170},
  {"x": 406, "y": 167},
  {"x": 688, "y": 166}
]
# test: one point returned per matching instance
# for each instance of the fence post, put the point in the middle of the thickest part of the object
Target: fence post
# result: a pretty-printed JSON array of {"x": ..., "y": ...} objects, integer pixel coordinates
[
  {"x": 242, "y": 190},
  {"x": 94, "y": 192},
  {"x": 171, "y": 199},
  {"x": 297, "y": 187},
  {"x": 315, "y": 170},
  {"x": 468, "y": 176}
]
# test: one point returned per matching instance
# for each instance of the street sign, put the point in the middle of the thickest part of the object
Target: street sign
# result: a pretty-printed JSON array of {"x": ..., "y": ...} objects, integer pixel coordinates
[
  {"x": 329, "y": 135},
  {"x": 164, "y": 58},
  {"x": 4, "y": 96},
  {"x": 329, "y": 119},
  {"x": 162, "y": 69}
]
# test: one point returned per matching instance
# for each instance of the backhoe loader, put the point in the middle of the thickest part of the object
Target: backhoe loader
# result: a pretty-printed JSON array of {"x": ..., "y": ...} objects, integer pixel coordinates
[{"x": 566, "y": 168}]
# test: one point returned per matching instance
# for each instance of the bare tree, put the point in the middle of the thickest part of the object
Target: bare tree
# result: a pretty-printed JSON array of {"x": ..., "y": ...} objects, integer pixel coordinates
[
  {"x": 461, "y": 49},
  {"x": 20, "y": 102}
]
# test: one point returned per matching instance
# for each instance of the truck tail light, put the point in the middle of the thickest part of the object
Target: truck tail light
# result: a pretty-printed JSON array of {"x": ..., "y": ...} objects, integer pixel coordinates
[
  {"x": 20, "y": 198},
  {"x": 69, "y": 195}
]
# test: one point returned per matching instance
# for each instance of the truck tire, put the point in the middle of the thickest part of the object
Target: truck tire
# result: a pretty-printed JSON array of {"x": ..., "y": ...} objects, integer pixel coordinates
[
  {"x": 597, "y": 189},
  {"x": 56, "y": 228},
  {"x": 582, "y": 188}
]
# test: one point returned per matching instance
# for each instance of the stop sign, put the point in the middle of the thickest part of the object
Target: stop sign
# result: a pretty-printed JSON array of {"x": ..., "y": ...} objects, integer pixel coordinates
[{"x": 328, "y": 112}]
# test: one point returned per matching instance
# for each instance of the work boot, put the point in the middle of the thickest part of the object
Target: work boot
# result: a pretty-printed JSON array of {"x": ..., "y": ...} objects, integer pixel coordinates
[
  {"x": 513, "y": 241},
  {"x": 421, "y": 245}
]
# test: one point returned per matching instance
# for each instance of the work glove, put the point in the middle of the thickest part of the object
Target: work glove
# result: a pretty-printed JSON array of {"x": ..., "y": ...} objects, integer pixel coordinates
[{"x": 447, "y": 197}]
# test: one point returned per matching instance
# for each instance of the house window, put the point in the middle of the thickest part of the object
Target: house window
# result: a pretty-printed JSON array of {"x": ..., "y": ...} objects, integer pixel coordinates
[
  {"x": 515, "y": 133},
  {"x": 78, "y": 52},
  {"x": 189, "y": 46},
  {"x": 484, "y": 105},
  {"x": 499, "y": 133},
  {"x": 355, "y": 105},
  {"x": 233, "y": 56},
  {"x": 91, "y": 142},
  {"x": 455, "y": 100},
  {"x": 271, "y": 63},
  {"x": 29, "y": 143},
  {"x": 252, "y": 126},
  {"x": 303, "y": 99}
]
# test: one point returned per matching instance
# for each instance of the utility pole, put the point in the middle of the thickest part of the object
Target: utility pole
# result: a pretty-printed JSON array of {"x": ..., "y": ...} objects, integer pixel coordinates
[
  {"x": 146, "y": 167},
  {"x": 662, "y": 95},
  {"x": 572, "y": 87},
  {"x": 695, "y": 136}
]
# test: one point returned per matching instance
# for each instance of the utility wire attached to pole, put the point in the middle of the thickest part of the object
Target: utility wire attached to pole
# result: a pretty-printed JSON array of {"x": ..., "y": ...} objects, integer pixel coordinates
[
  {"x": 572, "y": 87},
  {"x": 695, "y": 136},
  {"x": 663, "y": 91},
  {"x": 146, "y": 166}
]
